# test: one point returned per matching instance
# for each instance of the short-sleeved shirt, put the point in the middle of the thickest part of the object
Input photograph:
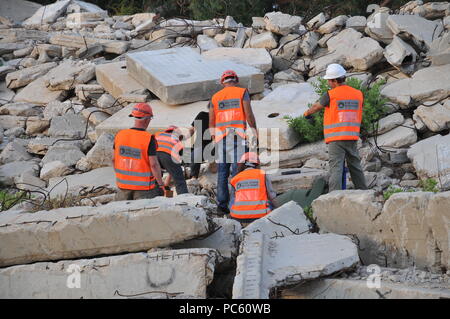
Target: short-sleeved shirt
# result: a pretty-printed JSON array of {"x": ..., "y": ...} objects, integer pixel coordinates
[
  {"x": 325, "y": 100},
  {"x": 151, "y": 146}
]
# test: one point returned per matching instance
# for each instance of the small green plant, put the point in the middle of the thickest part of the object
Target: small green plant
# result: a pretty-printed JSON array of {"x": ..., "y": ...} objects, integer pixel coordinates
[
  {"x": 309, "y": 212},
  {"x": 394, "y": 190},
  {"x": 312, "y": 130},
  {"x": 429, "y": 185},
  {"x": 9, "y": 199}
]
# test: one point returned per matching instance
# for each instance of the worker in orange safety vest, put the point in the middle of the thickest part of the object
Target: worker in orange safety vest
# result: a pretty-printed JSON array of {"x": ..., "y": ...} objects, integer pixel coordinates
[
  {"x": 229, "y": 113},
  {"x": 138, "y": 174},
  {"x": 169, "y": 153},
  {"x": 342, "y": 123},
  {"x": 252, "y": 191}
]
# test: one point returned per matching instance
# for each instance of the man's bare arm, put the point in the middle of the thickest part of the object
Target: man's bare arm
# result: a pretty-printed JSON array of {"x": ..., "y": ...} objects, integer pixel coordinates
[
  {"x": 156, "y": 169},
  {"x": 250, "y": 117},
  {"x": 212, "y": 122},
  {"x": 316, "y": 107}
]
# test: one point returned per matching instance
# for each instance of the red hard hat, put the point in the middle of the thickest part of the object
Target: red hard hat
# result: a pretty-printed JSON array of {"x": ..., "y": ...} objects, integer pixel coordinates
[
  {"x": 228, "y": 74},
  {"x": 142, "y": 110},
  {"x": 250, "y": 157}
]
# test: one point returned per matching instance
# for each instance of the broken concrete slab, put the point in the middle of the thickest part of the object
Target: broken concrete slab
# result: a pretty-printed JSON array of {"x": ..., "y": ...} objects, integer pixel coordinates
[
  {"x": 68, "y": 125},
  {"x": 283, "y": 221},
  {"x": 9, "y": 9},
  {"x": 284, "y": 179},
  {"x": 68, "y": 74},
  {"x": 165, "y": 115},
  {"x": 295, "y": 157},
  {"x": 100, "y": 155},
  {"x": 162, "y": 274},
  {"x": 439, "y": 52},
  {"x": 429, "y": 157},
  {"x": 390, "y": 122},
  {"x": 206, "y": 43},
  {"x": 265, "y": 40},
  {"x": 40, "y": 145},
  {"x": 429, "y": 84},
  {"x": 138, "y": 225},
  {"x": 37, "y": 93},
  {"x": 25, "y": 76},
  {"x": 337, "y": 288},
  {"x": 333, "y": 25},
  {"x": 78, "y": 41},
  {"x": 357, "y": 22},
  {"x": 286, "y": 53},
  {"x": 265, "y": 264},
  {"x": 36, "y": 125},
  {"x": 399, "y": 137},
  {"x": 309, "y": 43},
  {"x": 103, "y": 177},
  {"x": 21, "y": 109},
  {"x": 47, "y": 14},
  {"x": 317, "y": 21},
  {"x": 14, "y": 151},
  {"x": 11, "y": 121},
  {"x": 377, "y": 27},
  {"x": 114, "y": 78},
  {"x": 411, "y": 27},
  {"x": 193, "y": 74},
  {"x": 54, "y": 169},
  {"x": 282, "y": 23},
  {"x": 258, "y": 58},
  {"x": 436, "y": 117},
  {"x": 68, "y": 154},
  {"x": 9, "y": 171},
  {"x": 399, "y": 52}
]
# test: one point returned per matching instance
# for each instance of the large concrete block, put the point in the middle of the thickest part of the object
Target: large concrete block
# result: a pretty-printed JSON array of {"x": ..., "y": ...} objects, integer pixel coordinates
[
  {"x": 164, "y": 274},
  {"x": 114, "y": 78},
  {"x": 117, "y": 227},
  {"x": 165, "y": 115},
  {"x": 37, "y": 92},
  {"x": 412, "y": 229},
  {"x": 181, "y": 75},
  {"x": 284, "y": 179},
  {"x": 258, "y": 58},
  {"x": 265, "y": 264}
]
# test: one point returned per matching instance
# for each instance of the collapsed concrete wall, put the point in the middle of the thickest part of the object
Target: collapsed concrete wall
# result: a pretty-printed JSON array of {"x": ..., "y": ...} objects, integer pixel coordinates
[{"x": 410, "y": 229}]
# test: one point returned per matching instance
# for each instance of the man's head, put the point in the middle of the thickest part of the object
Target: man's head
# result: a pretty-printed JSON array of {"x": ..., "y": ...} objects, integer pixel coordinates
[
  {"x": 335, "y": 75},
  {"x": 143, "y": 114},
  {"x": 248, "y": 160},
  {"x": 229, "y": 78}
]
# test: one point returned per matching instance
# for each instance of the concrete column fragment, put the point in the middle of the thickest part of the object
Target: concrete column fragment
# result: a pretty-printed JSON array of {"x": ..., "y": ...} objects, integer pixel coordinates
[{"x": 164, "y": 274}]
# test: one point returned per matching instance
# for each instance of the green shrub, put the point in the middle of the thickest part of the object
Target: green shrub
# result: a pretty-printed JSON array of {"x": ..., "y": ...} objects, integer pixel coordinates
[{"x": 312, "y": 130}]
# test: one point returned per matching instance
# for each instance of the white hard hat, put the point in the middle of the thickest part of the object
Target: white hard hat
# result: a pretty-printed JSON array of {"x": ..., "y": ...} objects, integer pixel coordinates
[{"x": 334, "y": 71}]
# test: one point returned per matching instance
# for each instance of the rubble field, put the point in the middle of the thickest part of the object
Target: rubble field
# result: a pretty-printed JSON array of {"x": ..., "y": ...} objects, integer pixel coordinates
[{"x": 69, "y": 75}]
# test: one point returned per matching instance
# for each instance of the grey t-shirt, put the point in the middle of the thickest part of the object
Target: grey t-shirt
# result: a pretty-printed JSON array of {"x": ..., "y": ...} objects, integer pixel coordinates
[{"x": 325, "y": 100}]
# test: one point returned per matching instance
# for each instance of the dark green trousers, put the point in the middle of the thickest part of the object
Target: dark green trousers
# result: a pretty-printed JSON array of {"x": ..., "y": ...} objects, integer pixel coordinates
[{"x": 340, "y": 151}]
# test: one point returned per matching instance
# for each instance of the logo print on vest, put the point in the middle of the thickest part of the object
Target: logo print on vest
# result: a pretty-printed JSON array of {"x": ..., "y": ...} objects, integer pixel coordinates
[
  {"x": 229, "y": 104},
  {"x": 347, "y": 105},
  {"x": 130, "y": 152},
  {"x": 248, "y": 184}
]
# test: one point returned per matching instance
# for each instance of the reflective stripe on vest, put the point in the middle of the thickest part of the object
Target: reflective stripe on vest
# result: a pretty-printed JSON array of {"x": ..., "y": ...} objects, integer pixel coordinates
[
  {"x": 131, "y": 163},
  {"x": 342, "y": 118},
  {"x": 229, "y": 111},
  {"x": 170, "y": 145},
  {"x": 251, "y": 199}
]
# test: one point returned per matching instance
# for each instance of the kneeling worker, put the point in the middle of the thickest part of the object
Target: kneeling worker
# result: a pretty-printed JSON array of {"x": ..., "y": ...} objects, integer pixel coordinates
[
  {"x": 252, "y": 190},
  {"x": 138, "y": 174},
  {"x": 169, "y": 153}
]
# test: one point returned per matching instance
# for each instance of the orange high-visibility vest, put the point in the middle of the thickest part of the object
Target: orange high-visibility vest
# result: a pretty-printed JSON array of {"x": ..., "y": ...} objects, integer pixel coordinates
[
  {"x": 170, "y": 144},
  {"x": 131, "y": 162},
  {"x": 342, "y": 118},
  {"x": 250, "y": 201},
  {"x": 229, "y": 111}
]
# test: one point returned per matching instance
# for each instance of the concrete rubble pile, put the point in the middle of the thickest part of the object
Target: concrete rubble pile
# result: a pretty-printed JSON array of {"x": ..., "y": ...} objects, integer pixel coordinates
[{"x": 69, "y": 76}]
